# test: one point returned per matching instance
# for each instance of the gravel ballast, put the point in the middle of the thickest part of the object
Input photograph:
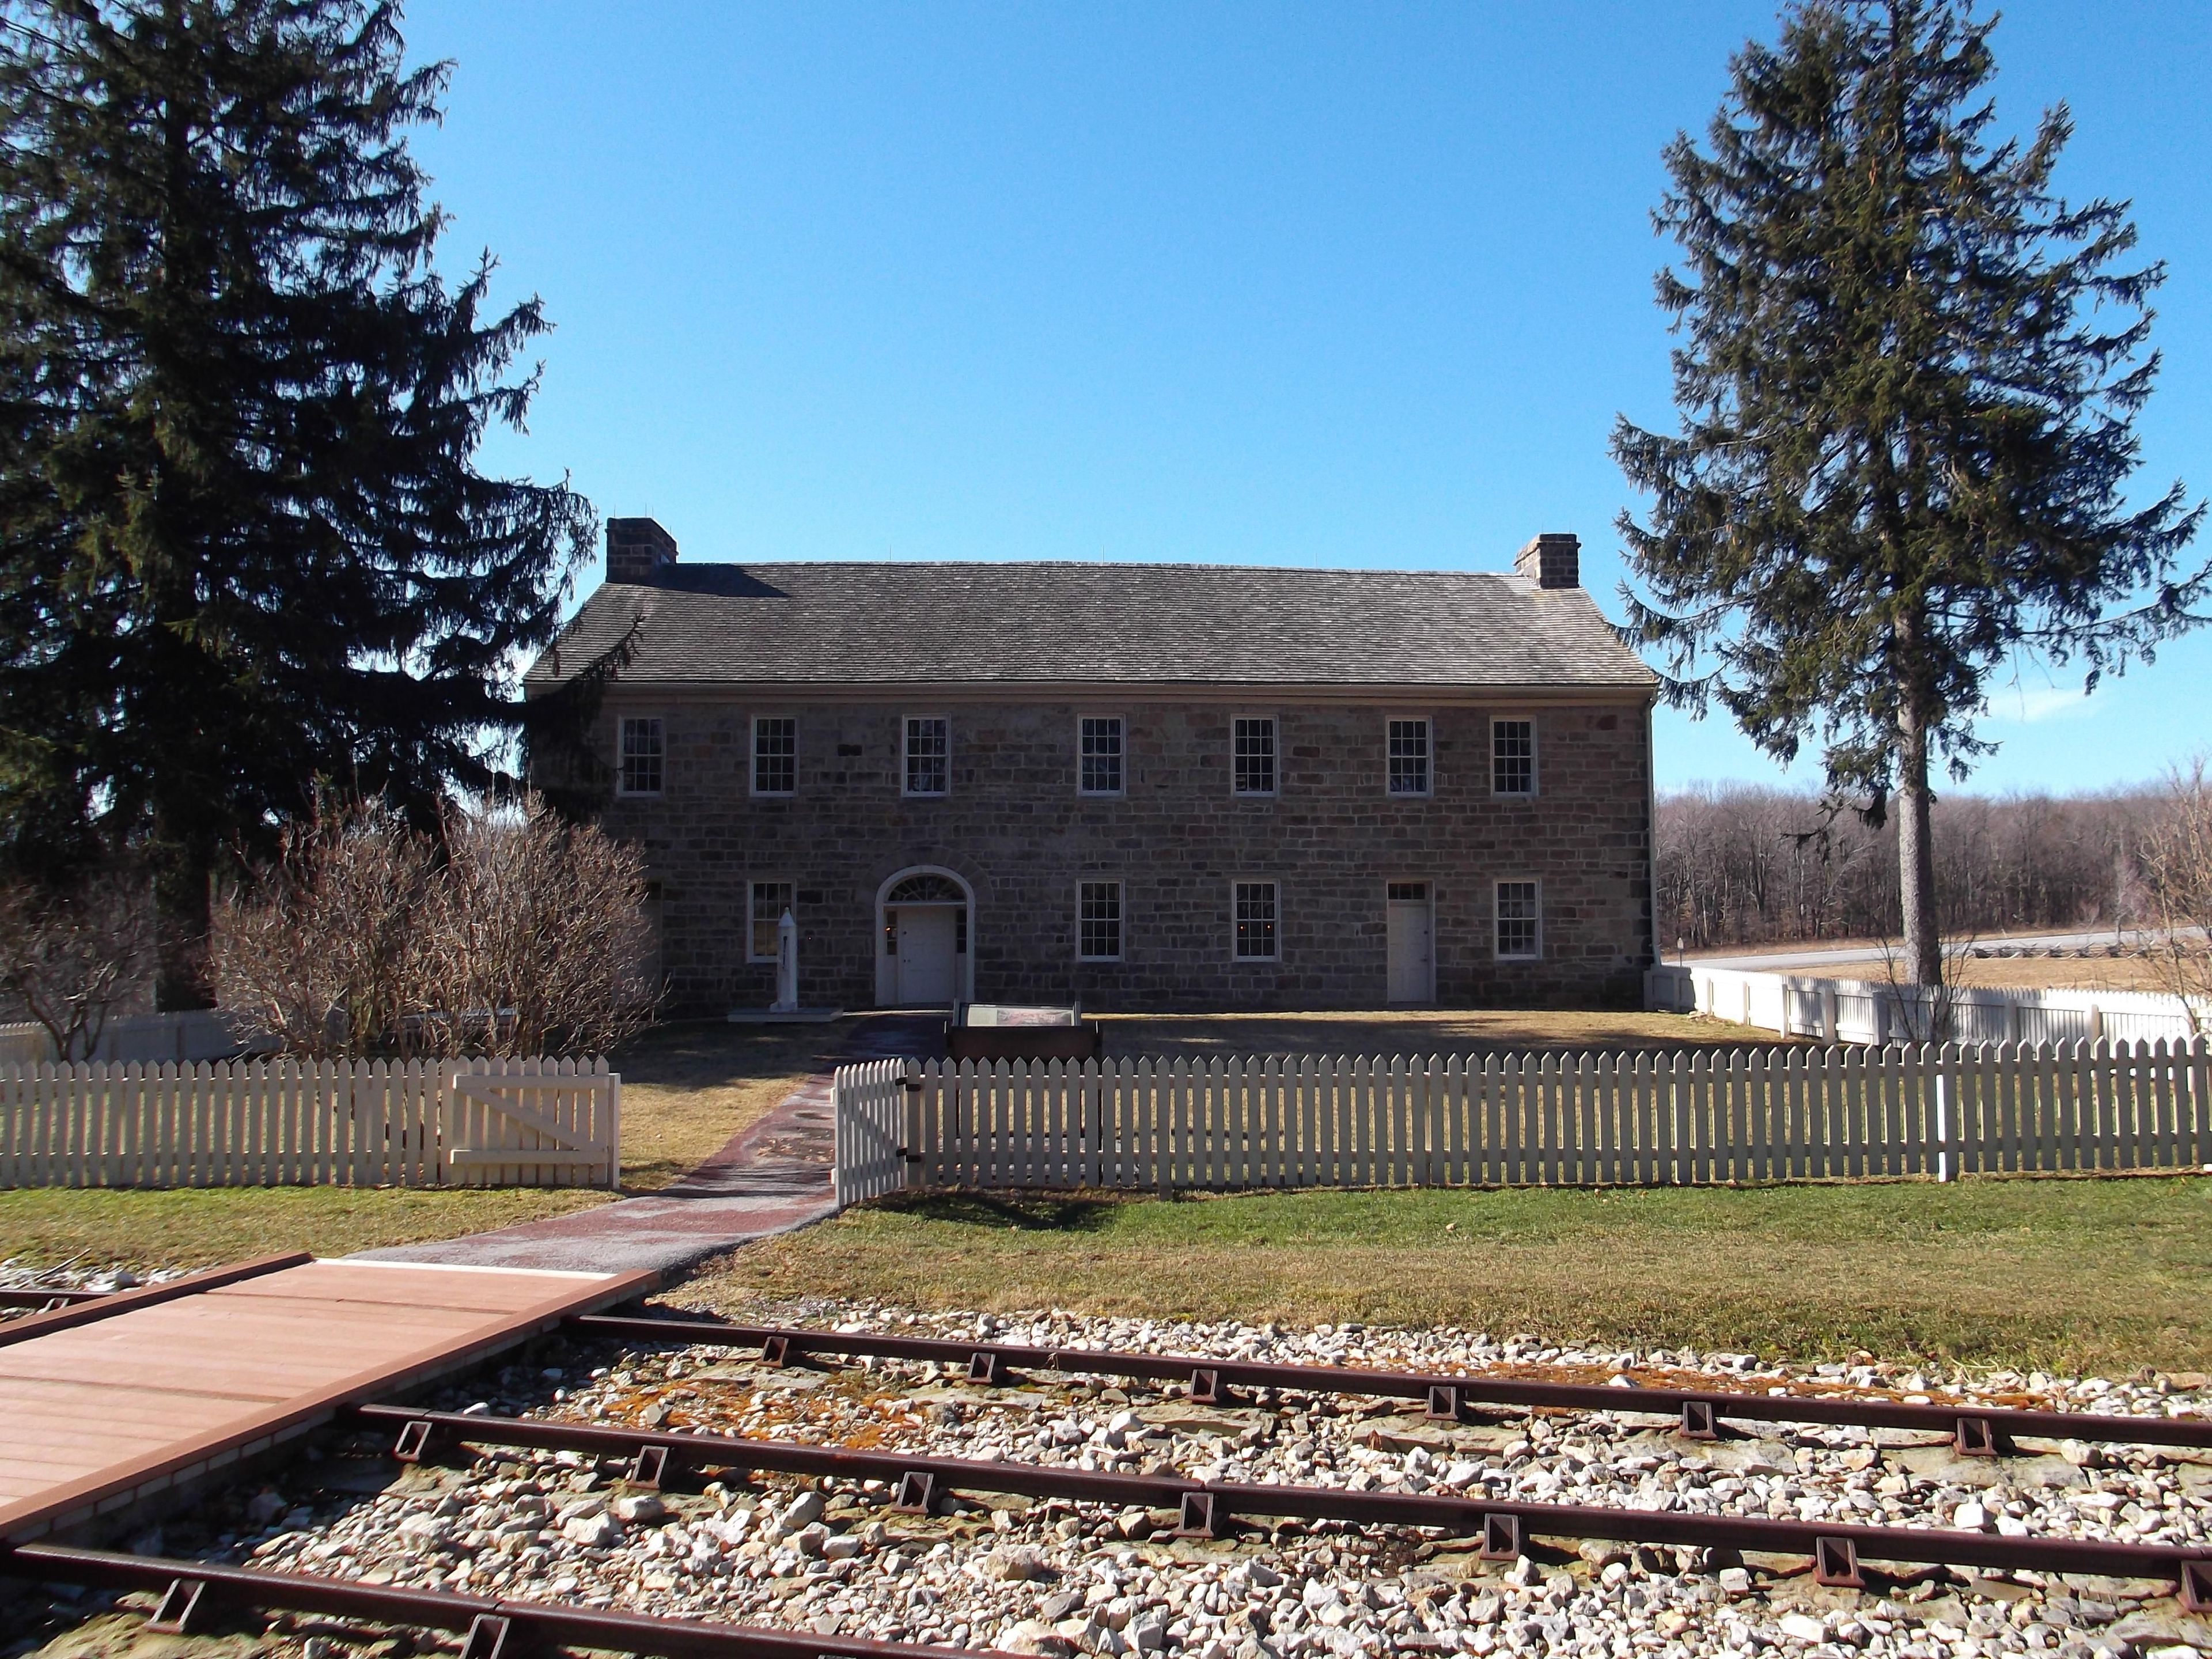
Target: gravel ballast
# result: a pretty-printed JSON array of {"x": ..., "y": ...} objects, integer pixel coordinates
[{"x": 1049, "y": 1577}]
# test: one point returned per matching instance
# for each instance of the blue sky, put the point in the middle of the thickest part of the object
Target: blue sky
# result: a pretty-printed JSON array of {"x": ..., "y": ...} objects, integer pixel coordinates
[{"x": 1279, "y": 284}]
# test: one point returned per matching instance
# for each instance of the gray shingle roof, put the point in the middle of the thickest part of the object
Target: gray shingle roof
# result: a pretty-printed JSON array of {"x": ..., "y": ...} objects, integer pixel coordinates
[{"x": 1068, "y": 622}]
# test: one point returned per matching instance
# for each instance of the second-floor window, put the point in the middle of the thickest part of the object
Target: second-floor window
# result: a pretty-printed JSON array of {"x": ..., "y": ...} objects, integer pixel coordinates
[
  {"x": 1409, "y": 757},
  {"x": 775, "y": 755},
  {"x": 1513, "y": 758},
  {"x": 1255, "y": 740},
  {"x": 1100, "y": 759},
  {"x": 928, "y": 755},
  {"x": 638, "y": 771}
]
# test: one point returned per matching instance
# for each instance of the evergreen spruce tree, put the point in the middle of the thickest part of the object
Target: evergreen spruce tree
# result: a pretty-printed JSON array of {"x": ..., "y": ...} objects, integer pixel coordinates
[
  {"x": 245, "y": 550},
  {"x": 1906, "y": 389}
]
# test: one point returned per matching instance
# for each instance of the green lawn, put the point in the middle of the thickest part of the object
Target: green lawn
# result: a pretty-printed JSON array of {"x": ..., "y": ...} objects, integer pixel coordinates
[{"x": 2069, "y": 1275}]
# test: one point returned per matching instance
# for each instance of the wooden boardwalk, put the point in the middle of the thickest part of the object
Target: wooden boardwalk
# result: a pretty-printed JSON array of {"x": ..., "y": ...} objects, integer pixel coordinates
[{"x": 107, "y": 1402}]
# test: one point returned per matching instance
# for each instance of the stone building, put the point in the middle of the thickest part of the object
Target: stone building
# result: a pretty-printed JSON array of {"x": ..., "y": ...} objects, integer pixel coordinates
[{"x": 1145, "y": 787}]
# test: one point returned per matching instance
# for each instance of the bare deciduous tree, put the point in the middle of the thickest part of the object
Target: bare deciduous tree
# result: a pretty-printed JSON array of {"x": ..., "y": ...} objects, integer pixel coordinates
[
  {"x": 539, "y": 932},
  {"x": 325, "y": 951},
  {"x": 2176, "y": 854},
  {"x": 72, "y": 956},
  {"x": 520, "y": 935},
  {"x": 1741, "y": 865}
]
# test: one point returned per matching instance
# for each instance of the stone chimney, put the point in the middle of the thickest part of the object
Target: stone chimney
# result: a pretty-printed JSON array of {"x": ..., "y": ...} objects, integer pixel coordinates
[
  {"x": 1552, "y": 560},
  {"x": 638, "y": 549}
]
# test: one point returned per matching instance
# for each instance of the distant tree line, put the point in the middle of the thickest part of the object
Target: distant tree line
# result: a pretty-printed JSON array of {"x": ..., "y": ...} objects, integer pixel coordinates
[{"x": 1745, "y": 865}]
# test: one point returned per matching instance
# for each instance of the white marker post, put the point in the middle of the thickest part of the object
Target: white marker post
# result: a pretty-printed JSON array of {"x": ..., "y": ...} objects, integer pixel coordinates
[{"x": 787, "y": 966}]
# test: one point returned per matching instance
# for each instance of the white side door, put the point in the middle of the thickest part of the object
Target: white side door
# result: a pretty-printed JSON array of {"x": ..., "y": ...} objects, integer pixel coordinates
[
  {"x": 927, "y": 965},
  {"x": 1413, "y": 943}
]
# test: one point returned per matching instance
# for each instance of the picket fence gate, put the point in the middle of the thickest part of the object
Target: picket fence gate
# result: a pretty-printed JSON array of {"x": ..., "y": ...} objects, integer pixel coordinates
[
  {"x": 1684, "y": 1117},
  {"x": 287, "y": 1122}
]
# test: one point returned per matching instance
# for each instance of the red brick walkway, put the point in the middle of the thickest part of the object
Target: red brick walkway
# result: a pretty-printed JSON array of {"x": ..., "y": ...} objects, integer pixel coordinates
[{"x": 770, "y": 1179}]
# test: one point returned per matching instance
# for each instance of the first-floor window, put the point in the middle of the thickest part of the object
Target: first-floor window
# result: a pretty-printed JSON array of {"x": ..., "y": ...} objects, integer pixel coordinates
[
  {"x": 1099, "y": 921},
  {"x": 1520, "y": 920},
  {"x": 928, "y": 755},
  {"x": 771, "y": 899},
  {"x": 1409, "y": 757},
  {"x": 1257, "y": 916},
  {"x": 775, "y": 755},
  {"x": 640, "y": 756}
]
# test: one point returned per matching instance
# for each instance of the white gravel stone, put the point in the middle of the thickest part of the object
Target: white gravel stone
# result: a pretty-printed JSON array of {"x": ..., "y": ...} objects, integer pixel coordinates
[{"x": 1065, "y": 1580}]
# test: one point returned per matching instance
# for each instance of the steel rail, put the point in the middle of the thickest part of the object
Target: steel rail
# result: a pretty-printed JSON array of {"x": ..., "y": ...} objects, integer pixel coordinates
[
  {"x": 189, "y": 1590},
  {"x": 1209, "y": 1508},
  {"x": 1976, "y": 1429},
  {"x": 14, "y": 1297}
]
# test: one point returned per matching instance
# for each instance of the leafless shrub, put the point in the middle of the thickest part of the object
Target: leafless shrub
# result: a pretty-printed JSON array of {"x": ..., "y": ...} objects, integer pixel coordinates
[
  {"x": 325, "y": 951},
  {"x": 73, "y": 955},
  {"x": 519, "y": 935},
  {"x": 2175, "y": 854},
  {"x": 539, "y": 930}
]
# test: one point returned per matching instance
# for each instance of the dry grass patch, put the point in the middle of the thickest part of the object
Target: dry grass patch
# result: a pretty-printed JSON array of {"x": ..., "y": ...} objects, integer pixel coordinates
[
  {"x": 2060, "y": 972},
  {"x": 689, "y": 1088},
  {"x": 1413, "y": 1031},
  {"x": 2064, "y": 1274},
  {"x": 201, "y": 1227}
]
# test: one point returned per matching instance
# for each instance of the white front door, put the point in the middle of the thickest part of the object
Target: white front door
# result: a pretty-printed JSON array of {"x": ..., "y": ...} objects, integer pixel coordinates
[
  {"x": 1413, "y": 943},
  {"x": 928, "y": 971}
]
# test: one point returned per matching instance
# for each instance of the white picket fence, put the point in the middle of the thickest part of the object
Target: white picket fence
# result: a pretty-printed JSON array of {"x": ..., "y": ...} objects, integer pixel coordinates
[
  {"x": 1677, "y": 1118},
  {"x": 1872, "y": 1011},
  {"x": 286, "y": 1122}
]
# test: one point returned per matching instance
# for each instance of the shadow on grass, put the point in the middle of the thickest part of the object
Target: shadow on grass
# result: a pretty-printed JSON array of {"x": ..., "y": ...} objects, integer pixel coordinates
[{"x": 1027, "y": 1213}]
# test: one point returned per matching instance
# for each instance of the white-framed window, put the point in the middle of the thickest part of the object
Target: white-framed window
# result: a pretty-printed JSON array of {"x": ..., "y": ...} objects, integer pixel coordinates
[
  {"x": 928, "y": 755},
  {"x": 1098, "y": 755},
  {"x": 638, "y": 771},
  {"x": 1513, "y": 757},
  {"x": 1253, "y": 743},
  {"x": 1408, "y": 744},
  {"x": 775, "y": 755},
  {"x": 765, "y": 903},
  {"x": 1520, "y": 920},
  {"x": 1099, "y": 921},
  {"x": 1258, "y": 910}
]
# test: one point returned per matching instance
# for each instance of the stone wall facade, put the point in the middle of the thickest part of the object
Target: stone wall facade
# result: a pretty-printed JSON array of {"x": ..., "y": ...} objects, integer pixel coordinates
[{"x": 1015, "y": 829}]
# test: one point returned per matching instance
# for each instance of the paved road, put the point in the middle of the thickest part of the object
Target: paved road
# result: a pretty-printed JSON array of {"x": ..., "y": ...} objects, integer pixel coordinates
[
  {"x": 772, "y": 1178},
  {"x": 1816, "y": 955}
]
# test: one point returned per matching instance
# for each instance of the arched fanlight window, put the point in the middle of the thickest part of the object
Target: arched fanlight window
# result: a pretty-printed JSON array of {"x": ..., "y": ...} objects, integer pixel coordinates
[{"x": 926, "y": 889}]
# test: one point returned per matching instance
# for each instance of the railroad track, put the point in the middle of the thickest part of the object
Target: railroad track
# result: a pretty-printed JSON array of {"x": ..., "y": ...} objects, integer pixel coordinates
[
  {"x": 1500, "y": 1529},
  {"x": 1210, "y": 1508},
  {"x": 1975, "y": 1430},
  {"x": 192, "y": 1592}
]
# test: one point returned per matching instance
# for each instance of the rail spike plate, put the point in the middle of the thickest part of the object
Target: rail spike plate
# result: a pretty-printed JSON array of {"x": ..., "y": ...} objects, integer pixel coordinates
[
  {"x": 917, "y": 1492},
  {"x": 1975, "y": 1436},
  {"x": 173, "y": 1617},
  {"x": 1204, "y": 1515},
  {"x": 1501, "y": 1537},
  {"x": 1836, "y": 1564},
  {"x": 486, "y": 1638},
  {"x": 2196, "y": 1585},
  {"x": 648, "y": 1468}
]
